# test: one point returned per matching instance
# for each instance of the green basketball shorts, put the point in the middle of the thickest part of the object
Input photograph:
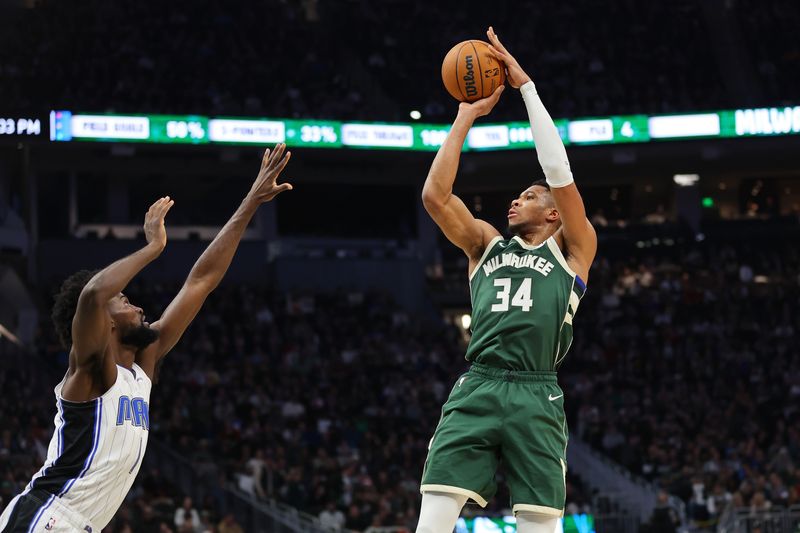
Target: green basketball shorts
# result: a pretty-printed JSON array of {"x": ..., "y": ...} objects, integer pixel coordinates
[{"x": 493, "y": 415}]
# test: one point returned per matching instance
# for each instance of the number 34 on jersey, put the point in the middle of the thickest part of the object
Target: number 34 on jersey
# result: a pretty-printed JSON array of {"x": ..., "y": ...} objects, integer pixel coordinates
[{"x": 524, "y": 298}]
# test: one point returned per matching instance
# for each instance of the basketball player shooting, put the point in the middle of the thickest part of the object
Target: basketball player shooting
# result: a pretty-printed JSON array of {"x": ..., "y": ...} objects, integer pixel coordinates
[
  {"x": 525, "y": 291},
  {"x": 102, "y": 423}
]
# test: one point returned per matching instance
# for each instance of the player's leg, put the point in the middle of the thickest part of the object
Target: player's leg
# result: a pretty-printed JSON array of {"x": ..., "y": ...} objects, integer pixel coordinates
[
  {"x": 439, "y": 512},
  {"x": 536, "y": 523},
  {"x": 23, "y": 514},
  {"x": 464, "y": 451},
  {"x": 534, "y": 447},
  {"x": 38, "y": 512},
  {"x": 5, "y": 518}
]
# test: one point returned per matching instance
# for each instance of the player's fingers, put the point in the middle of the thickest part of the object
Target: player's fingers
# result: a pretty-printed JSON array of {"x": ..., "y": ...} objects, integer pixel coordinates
[
  {"x": 495, "y": 40},
  {"x": 163, "y": 205},
  {"x": 265, "y": 159},
  {"x": 167, "y": 207},
  {"x": 492, "y": 35},
  {"x": 502, "y": 56},
  {"x": 283, "y": 187},
  {"x": 282, "y": 163},
  {"x": 154, "y": 204},
  {"x": 154, "y": 208},
  {"x": 497, "y": 92},
  {"x": 279, "y": 189},
  {"x": 277, "y": 154},
  {"x": 497, "y": 54}
]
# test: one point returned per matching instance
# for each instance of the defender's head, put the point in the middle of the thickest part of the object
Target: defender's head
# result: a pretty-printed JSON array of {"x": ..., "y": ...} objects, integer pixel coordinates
[
  {"x": 533, "y": 208},
  {"x": 127, "y": 320}
]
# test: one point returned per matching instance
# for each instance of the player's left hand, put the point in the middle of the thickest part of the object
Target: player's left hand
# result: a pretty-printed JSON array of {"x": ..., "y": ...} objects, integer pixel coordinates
[
  {"x": 482, "y": 107},
  {"x": 265, "y": 187},
  {"x": 514, "y": 73},
  {"x": 154, "y": 230}
]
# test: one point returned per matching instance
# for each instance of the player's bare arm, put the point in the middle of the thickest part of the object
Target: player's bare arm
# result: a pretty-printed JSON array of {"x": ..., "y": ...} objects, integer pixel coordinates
[
  {"x": 209, "y": 269},
  {"x": 576, "y": 237},
  {"x": 89, "y": 374},
  {"x": 448, "y": 210}
]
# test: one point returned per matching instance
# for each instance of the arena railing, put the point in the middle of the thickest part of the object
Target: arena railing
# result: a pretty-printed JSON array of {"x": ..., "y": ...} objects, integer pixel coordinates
[
  {"x": 255, "y": 516},
  {"x": 638, "y": 493},
  {"x": 777, "y": 519}
]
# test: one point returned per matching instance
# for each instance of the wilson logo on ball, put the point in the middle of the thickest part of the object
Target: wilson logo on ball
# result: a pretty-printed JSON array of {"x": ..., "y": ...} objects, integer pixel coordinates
[{"x": 469, "y": 78}]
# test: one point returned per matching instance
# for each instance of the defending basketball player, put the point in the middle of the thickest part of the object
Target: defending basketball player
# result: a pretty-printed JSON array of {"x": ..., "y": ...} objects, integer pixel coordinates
[
  {"x": 525, "y": 291},
  {"x": 102, "y": 423}
]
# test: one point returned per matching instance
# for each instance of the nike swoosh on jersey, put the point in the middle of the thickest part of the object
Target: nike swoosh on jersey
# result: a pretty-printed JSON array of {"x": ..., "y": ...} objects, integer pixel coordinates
[{"x": 553, "y": 398}]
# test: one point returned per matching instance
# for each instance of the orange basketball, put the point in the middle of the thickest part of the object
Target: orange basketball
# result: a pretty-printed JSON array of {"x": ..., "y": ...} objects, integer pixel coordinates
[{"x": 470, "y": 71}]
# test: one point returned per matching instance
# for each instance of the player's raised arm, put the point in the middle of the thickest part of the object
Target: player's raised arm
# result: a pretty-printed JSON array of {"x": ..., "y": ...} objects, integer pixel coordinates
[
  {"x": 447, "y": 209},
  {"x": 90, "y": 326},
  {"x": 580, "y": 239},
  {"x": 209, "y": 269}
]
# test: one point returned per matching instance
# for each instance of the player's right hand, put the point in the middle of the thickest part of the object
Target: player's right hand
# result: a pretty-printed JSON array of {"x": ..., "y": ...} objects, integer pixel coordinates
[
  {"x": 154, "y": 230},
  {"x": 265, "y": 187},
  {"x": 483, "y": 106},
  {"x": 514, "y": 73}
]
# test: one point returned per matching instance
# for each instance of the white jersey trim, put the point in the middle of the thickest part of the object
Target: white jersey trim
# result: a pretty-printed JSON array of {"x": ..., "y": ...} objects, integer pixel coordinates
[
  {"x": 551, "y": 243},
  {"x": 525, "y": 245},
  {"x": 486, "y": 252}
]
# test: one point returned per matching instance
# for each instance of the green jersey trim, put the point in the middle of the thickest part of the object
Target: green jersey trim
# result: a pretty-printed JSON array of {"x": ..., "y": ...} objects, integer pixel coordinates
[{"x": 486, "y": 253}]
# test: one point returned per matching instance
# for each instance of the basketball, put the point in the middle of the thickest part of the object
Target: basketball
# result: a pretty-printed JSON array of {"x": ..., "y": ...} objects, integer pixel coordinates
[{"x": 470, "y": 71}]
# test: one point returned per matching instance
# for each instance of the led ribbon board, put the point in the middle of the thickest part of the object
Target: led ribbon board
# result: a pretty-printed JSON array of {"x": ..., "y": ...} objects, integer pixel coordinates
[{"x": 194, "y": 129}]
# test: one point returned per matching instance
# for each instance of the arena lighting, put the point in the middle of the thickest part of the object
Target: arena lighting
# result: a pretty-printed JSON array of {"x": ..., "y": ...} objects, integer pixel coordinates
[
  {"x": 466, "y": 321},
  {"x": 685, "y": 180},
  {"x": 416, "y": 115}
]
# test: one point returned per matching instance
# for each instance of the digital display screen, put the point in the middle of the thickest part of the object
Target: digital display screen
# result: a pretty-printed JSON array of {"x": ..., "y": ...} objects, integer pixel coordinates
[
  {"x": 68, "y": 126},
  {"x": 23, "y": 126}
]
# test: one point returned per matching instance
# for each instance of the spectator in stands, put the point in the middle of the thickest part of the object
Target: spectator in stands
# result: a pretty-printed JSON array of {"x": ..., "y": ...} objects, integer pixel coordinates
[
  {"x": 149, "y": 522},
  {"x": 759, "y": 503},
  {"x": 229, "y": 525},
  {"x": 682, "y": 374},
  {"x": 664, "y": 518},
  {"x": 187, "y": 519},
  {"x": 331, "y": 517}
]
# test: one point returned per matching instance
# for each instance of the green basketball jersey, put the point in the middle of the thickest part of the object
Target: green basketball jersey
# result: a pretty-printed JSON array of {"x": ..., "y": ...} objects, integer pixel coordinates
[{"x": 523, "y": 301}]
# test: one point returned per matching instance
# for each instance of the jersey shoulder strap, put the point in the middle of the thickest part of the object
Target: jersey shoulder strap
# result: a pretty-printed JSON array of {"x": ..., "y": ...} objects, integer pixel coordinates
[{"x": 492, "y": 244}]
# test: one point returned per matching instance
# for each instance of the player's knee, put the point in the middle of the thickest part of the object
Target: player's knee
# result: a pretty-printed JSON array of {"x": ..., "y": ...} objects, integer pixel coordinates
[
  {"x": 439, "y": 512},
  {"x": 529, "y": 522}
]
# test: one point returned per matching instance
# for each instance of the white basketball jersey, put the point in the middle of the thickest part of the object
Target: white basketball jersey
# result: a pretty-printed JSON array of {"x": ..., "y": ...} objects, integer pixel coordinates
[{"x": 97, "y": 447}]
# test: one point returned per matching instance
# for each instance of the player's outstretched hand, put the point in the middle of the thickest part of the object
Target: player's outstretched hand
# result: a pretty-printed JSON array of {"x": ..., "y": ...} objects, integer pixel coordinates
[
  {"x": 265, "y": 187},
  {"x": 154, "y": 230},
  {"x": 514, "y": 73},
  {"x": 483, "y": 106}
]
